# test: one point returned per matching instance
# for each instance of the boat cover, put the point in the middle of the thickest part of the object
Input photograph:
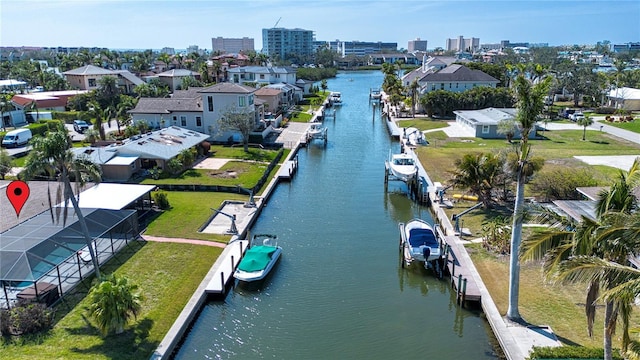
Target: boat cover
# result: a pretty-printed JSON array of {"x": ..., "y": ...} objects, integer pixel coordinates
[
  {"x": 256, "y": 258},
  {"x": 419, "y": 237}
]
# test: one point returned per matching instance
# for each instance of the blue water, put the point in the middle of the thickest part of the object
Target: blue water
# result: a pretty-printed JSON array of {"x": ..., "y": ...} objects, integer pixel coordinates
[{"x": 339, "y": 290}]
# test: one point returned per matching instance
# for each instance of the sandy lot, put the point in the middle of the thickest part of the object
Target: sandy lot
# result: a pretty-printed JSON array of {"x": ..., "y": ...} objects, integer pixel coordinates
[
  {"x": 211, "y": 164},
  {"x": 622, "y": 162}
]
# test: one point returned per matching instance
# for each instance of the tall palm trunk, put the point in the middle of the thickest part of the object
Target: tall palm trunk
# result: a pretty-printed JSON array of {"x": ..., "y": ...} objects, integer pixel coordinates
[
  {"x": 81, "y": 220},
  {"x": 516, "y": 239},
  {"x": 608, "y": 330}
]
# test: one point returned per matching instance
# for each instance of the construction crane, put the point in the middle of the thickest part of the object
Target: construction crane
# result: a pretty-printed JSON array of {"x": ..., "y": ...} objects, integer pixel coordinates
[{"x": 277, "y": 22}]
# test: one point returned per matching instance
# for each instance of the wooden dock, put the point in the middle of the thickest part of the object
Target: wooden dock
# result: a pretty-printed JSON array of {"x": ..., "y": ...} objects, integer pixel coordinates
[
  {"x": 223, "y": 273},
  {"x": 459, "y": 266}
]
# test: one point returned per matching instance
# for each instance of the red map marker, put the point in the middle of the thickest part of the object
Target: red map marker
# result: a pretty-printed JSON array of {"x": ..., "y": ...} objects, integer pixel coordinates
[{"x": 18, "y": 193}]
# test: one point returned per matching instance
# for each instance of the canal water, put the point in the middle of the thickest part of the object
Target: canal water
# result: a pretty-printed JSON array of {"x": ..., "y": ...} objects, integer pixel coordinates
[{"x": 339, "y": 290}]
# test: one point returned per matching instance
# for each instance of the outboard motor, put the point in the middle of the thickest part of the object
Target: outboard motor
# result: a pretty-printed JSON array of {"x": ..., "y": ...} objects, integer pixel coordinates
[{"x": 426, "y": 252}]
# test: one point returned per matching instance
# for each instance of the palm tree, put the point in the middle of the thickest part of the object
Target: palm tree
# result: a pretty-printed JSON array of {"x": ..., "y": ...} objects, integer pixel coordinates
[
  {"x": 413, "y": 91},
  {"x": 620, "y": 197},
  {"x": 113, "y": 302},
  {"x": 478, "y": 173},
  {"x": 51, "y": 155},
  {"x": 530, "y": 104},
  {"x": 584, "y": 122}
]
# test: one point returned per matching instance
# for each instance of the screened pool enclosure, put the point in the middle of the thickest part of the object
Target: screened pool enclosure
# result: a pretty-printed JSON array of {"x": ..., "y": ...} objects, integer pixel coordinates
[{"x": 42, "y": 260}]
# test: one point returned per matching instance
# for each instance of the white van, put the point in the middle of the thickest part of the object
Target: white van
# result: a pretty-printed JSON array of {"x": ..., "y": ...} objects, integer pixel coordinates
[{"x": 15, "y": 138}]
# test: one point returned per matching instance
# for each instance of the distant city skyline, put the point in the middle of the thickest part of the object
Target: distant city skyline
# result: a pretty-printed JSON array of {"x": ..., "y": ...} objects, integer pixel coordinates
[{"x": 151, "y": 24}]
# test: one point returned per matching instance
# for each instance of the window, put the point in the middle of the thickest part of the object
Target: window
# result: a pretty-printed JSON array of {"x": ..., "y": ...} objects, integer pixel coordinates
[
  {"x": 242, "y": 101},
  {"x": 92, "y": 82},
  {"x": 210, "y": 102},
  {"x": 198, "y": 121},
  {"x": 183, "y": 120},
  {"x": 485, "y": 129},
  {"x": 261, "y": 76},
  {"x": 441, "y": 86},
  {"x": 433, "y": 87},
  {"x": 449, "y": 85},
  {"x": 250, "y": 99},
  {"x": 457, "y": 85}
]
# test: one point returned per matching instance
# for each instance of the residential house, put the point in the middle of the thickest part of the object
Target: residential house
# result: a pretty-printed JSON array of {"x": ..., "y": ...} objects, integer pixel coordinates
[
  {"x": 262, "y": 75},
  {"x": 305, "y": 85},
  {"x": 484, "y": 123},
  {"x": 430, "y": 65},
  {"x": 47, "y": 100},
  {"x": 624, "y": 98},
  {"x": 199, "y": 109},
  {"x": 290, "y": 94},
  {"x": 88, "y": 78},
  {"x": 173, "y": 78},
  {"x": 271, "y": 98},
  {"x": 121, "y": 160},
  {"x": 456, "y": 78}
]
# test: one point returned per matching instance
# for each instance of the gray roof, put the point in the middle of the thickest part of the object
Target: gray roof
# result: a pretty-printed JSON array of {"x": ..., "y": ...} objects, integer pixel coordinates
[
  {"x": 166, "y": 106},
  {"x": 228, "y": 88},
  {"x": 488, "y": 116},
  {"x": 191, "y": 93},
  {"x": 89, "y": 70},
  {"x": 459, "y": 73},
  {"x": 97, "y": 155},
  {"x": 417, "y": 74},
  {"x": 178, "y": 73},
  {"x": 160, "y": 144},
  {"x": 129, "y": 76}
]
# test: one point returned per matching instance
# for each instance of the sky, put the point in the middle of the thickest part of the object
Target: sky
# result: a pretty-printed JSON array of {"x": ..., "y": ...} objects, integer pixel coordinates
[{"x": 155, "y": 24}]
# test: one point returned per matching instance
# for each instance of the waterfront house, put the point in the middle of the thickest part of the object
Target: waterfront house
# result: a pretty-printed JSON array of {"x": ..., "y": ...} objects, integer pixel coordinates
[
  {"x": 456, "y": 78},
  {"x": 200, "y": 109},
  {"x": 262, "y": 75},
  {"x": 484, "y": 123}
]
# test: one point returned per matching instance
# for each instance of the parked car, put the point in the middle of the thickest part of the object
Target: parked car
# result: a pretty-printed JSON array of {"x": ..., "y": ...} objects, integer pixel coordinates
[
  {"x": 80, "y": 126},
  {"x": 576, "y": 116}
]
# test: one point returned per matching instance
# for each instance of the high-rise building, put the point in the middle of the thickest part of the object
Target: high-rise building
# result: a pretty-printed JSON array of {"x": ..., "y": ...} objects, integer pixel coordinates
[
  {"x": 281, "y": 42},
  {"x": 417, "y": 45},
  {"x": 361, "y": 48},
  {"x": 232, "y": 45},
  {"x": 462, "y": 44}
]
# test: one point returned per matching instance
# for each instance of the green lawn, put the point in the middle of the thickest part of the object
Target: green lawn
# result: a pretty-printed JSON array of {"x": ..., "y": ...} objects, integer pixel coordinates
[
  {"x": 541, "y": 303},
  {"x": 631, "y": 126},
  {"x": 237, "y": 152},
  {"x": 233, "y": 173},
  {"x": 167, "y": 275},
  {"x": 423, "y": 123},
  {"x": 189, "y": 211}
]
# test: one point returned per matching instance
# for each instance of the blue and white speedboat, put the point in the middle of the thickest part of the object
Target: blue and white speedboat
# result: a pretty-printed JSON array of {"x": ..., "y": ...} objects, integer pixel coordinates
[
  {"x": 258, "y": 260},
  {"x": 420, "y": 243}
]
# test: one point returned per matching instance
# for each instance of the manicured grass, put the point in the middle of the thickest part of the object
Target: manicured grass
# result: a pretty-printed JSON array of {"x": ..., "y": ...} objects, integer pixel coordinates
[
  {"x": 237, "y": 152},
  {"x": 300, "y": 117},
  {"x": 423, "y": 123},
  {"x": 167, "y": 275},
  {"x": 540, "y": 303},
  {"x": 631, "y": 125},
  {"x": 189, "y": 211},
  {"x": 233, "y": 173}
]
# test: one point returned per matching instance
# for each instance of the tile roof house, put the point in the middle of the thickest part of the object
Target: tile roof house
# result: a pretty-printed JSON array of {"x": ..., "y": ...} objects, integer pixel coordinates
[
  {"x": 87, "y": 78},
  {"x": 199, "y": 109},
  {"x": 484, "y": 123},
  {"x": 48, "y": 100},
  {"x": 119, "y": 161}
]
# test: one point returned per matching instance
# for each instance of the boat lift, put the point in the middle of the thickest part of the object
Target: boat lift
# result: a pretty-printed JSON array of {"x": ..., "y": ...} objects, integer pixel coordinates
[
  {"x": 251, "y": 202},
  {"x": 233, "y": 229},
  {"x": 456, "y": 217}
]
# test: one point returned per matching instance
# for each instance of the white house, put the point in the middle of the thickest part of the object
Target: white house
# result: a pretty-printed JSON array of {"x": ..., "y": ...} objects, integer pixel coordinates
[
  {"x": 173, "y": 78},
  {"x": 624, "y": 98},
  {"x": 263, "y": 75},
  {"x": 199, "y": 109}
]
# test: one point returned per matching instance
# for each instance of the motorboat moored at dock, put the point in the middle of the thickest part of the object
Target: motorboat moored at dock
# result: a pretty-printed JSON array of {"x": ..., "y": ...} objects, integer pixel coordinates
[
  {"x": 335, "y": 98},
  {"x": 402, "y": 166},
  {"x": 419, "y": 242},
  {"x": 258, "y": 260}
]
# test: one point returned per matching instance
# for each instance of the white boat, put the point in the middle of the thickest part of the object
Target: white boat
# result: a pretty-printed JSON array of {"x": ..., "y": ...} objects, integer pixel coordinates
[
  {"x": 420, "y": 243},
  {"x": 414, "y": 137},
  {"x": 335, "y": 98},
  {"x": 258, "y": 260},
  {"x": 403, "y": 166},
  {"x": 316, "y": 131}
]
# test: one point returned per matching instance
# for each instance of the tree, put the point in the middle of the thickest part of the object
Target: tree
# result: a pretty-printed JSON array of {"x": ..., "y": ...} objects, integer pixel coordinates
[
  {"x": 414, "y": 92},
  {"x": 323, "y": 85},
  {"x": 478, "y": 172},
  {"x": 235, "y": 119},
  {"x": 507, "y": 127},
  {"x": 6, "y": 163},
  {"x": 113, "y": 302},
  {"x": 584, "y": 122},
  {"x": 530, "y": 103},
  {"x": 51, "y": 156}
]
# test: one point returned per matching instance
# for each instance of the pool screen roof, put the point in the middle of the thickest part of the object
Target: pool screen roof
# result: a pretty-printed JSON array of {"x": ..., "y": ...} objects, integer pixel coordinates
[{"x": 34, "y": 247}]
